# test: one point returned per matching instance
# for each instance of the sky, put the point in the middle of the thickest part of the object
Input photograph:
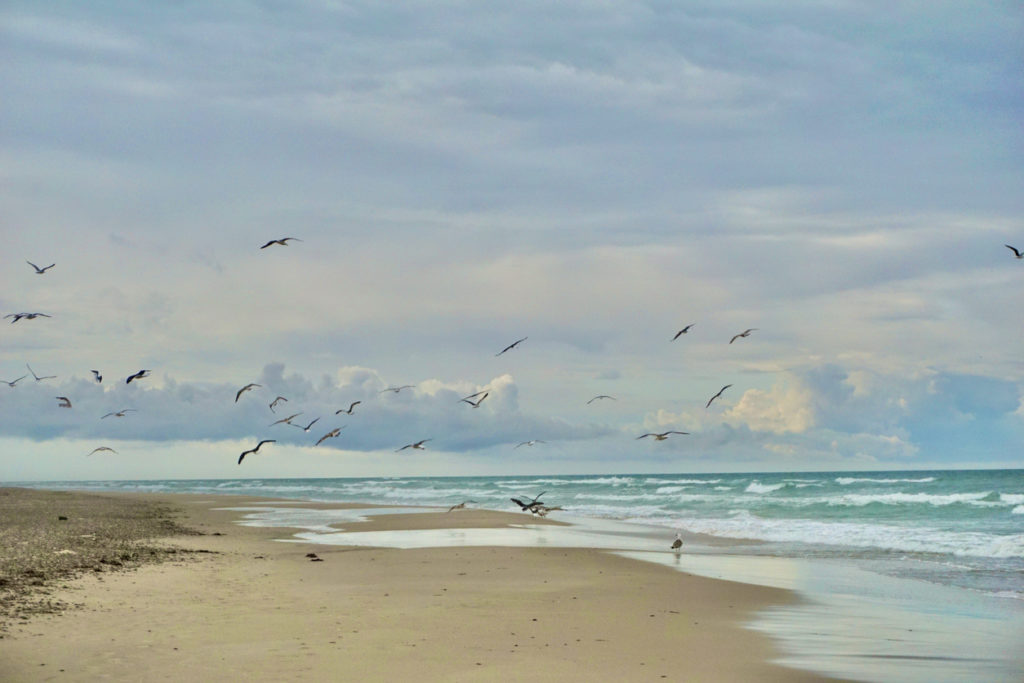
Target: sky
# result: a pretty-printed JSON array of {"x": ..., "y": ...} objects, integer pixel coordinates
[{"x": 593, "y": 176}]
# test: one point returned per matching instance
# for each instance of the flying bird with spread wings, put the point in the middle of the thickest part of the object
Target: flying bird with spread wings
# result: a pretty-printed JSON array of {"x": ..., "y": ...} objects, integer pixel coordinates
[
  {"x": 274, "y": 403},
  {"x": 511, "y": 346},
  {"x": 286, "y": 420},
  {"x": 329, "y": 435},
  {"x": 478, "y": 401},
  {"x": 528, "y": 443},
  {"x": 418, "y": 445},
  {"x": 661, "y": 436},
  {"x": 397, "y": 389},
  {"x": 745, "y": 333},
  {"x": 40, "y": 271},
  {"x": 119, "y": 413},
  {"x": 38, "y": 378},
  {"x": 282, "y": 242},
  {"x": 26, "y": 316},
  {"x": 63, "y": 401},
  {"x": 138, "y": 375},
  {"x": 720, "y": 391},
  {"x": 253, "y": 450},
  {"x": 1016, "y": 252},
  {"x": 246, "y": 388},
  {"x": 349, "y": 411},
  {"x": 683, "y": 331},
  {"x": 102, "y": 449},
  {"x": 601, "y": 396},
  {"x": 13, "y": 382},
  {"x": 96, "y": 374}
]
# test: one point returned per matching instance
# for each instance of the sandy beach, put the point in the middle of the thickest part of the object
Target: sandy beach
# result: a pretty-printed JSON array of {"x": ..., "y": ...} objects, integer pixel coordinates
[{"x": 204, "y": 598}]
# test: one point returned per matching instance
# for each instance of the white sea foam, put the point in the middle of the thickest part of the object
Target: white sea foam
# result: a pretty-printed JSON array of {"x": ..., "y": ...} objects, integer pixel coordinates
[
  {"x": 758, "y": 487},
  {"x": 1019, "y": 510},
  {"x": 846, "y": 481},
  {"x": 682, "y": 481},
  {"x": 1012, "y": 498}
]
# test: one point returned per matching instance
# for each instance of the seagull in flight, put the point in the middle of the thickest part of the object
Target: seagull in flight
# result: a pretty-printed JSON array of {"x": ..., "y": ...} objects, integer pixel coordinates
[
  {"x": 683, "y": 331},
  {"x": 482, "y": 391},
  {"x": 460, "y": 506},
  {"x": 329, "y": 435},
  {"x": 283, "y": 242},
  {"x": 286, "y": 420},
  {"x": 244, "y": 389},
  {"x": 397, "y": 389},
  {"x": 478, "y": 401},
  {"x": 40, "y": 271},
  {"x": 63, "y": 401},
  {"x": 528, "y": 443},
  {"x": 418, "y": 445},
  {"x": 275, "y": 402},
  {"x": 97, "y": 375},
  {"x": 660, "y": 437},
  {"x": 26, "y": 316},
  {"x": 600, "y": 396},
  {"x": 716, "y": 396},
  {"x": 119, "y": 413},
  {"x": 531, "y": 505},
  {"x": 349, "y": 411},
  {"x": 38, "y": 378},
  {"x": 1016, "y": 252},
  {"x": 138, "y": 375},
  {"x": 13, "y": 382},
  {"x": 253, "y": 450},
  {"x": 101, "y": 448},
  {"x": 745, "y": 333},
  {"x": 306, "y": 428},
  {"x": 511, "y": 346}
]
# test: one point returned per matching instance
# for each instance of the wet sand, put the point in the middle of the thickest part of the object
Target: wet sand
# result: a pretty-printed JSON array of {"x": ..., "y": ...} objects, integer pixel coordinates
[{"x": 232, "y": 603}]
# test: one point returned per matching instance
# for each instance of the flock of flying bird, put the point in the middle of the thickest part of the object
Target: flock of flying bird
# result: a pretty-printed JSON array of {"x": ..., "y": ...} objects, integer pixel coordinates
[{"x": 534, "y": 506}]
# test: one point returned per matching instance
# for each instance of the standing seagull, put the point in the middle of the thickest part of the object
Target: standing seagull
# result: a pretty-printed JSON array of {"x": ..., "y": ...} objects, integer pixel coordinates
[
  {"x": 601, "y": 396},
  {"x": 1016, "y": 252},
  {"x": 97, "y": 375},
  {"x": 745, "y": 333},
  {"x": 511, "y": 346},
  {"x": 329, "y": 435},
  {"x": 38, "y": 378},
  {"x": 40, "y": 271},
  {"x": 661, "y": 436},
  {"x": 138, "y": 375},
  {"x": 101, "y": 448},
  {"x": 418, "y": 445},
  {"x": 478, "y": 402},
  {"x": 349, "y": 411},
  {"x": 64, "y": 401},
  {"x": 683, "y": 331},
  {"x": 283, "y": 242},
  {"x": 13, "y": 382},
  {"x": 678, "y": 543},
  {"x": 716, "y": 396},
  {"x": 275, "y": 402},
  {"x": 244, "y": 389},
  {"x": 253, "y": 450}
]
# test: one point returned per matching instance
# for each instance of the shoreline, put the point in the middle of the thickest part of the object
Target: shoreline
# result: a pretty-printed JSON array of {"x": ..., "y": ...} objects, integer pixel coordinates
[{"x": 245, "y": 604}]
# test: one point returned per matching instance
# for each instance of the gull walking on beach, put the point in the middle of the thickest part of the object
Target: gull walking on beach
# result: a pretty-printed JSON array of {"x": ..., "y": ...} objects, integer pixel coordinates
[
  {"x": 253, "y": 450},
  {"x": 716, "y": 396},
  {"x": 418, "y": 445},
  {"x": 244, "y": 389},
  {"x": 744, "y": 333},
  {"x": 659, "y": 436},
  {"x": 511, "y": 346},
  {"x": 282, "y": 242},
  {"x": 40, "y": 271}
]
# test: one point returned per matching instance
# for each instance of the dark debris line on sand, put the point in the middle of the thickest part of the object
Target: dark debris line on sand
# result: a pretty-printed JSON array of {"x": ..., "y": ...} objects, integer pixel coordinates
[{"x": 48, "y": 536}]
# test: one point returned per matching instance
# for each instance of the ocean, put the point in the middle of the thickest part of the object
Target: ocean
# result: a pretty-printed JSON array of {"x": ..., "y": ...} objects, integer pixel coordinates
[{"x": 908, "y": 575}]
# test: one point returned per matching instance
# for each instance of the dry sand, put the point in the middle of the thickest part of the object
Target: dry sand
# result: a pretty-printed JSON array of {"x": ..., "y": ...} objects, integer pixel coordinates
[{"x": 243, "y": 606}]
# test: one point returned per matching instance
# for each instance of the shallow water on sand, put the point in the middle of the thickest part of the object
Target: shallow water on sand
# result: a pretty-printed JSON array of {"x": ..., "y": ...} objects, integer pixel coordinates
[{"x": 852, "y": 622}]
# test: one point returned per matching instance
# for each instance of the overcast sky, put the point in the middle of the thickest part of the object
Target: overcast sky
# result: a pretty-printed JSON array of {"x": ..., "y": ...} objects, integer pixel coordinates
[{"x": 592, "y": 176}]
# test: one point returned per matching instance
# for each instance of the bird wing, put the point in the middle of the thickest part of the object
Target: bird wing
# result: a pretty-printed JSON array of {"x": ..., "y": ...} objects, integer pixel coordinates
[
  {"x": 645, "y": 435},
  {"x": 1015, "y": 250}
]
